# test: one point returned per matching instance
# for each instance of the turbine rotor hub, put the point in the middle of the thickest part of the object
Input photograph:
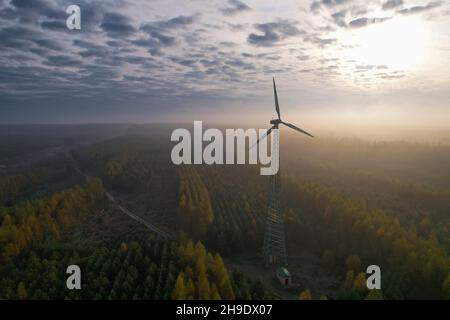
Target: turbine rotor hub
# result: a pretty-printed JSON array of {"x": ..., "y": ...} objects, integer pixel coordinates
[{"x": 275, "y": 121}]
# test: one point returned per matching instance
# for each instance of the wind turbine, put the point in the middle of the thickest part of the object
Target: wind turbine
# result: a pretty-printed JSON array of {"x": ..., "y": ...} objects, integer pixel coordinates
[{"x": 274, "y": 248}]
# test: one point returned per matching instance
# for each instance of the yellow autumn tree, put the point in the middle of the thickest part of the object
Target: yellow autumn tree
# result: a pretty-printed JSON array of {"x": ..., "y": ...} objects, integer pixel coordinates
[
  {"x": 203, "y": 287},
  {"x": 179, "y": 292},
  {"x": 360, "y": 282},
  {"x": 305, "y": 295},
  {"x": 21, "y": 291},
  {"x": 214, "y": 294},
  {"x": 222, "y": 279},
  {"x": 190, "y": 289}
]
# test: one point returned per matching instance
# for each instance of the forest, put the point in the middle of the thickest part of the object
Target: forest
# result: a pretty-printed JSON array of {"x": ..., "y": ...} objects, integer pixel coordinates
[{"x": 348, "y": 203}]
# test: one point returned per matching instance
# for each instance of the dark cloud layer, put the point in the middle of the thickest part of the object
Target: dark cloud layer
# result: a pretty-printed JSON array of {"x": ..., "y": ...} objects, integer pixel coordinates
[
  {"x": 392, "y": 4},
  {"x": 235, "y": 6},
  {"x": 339, "y": 18},
  {"x": 158, "y": 33},
  {"x": 320, "y": 42},
  {"x": 327, "y": 3},
  {"x": 273, "y": 32},
  {"x": 113, "y": 60},
  {"x": 123, "y": 57},
  {"x": 363, "y": 22},
  {"x": 117, "y": 25},
  {"x": 420, "y": 9}
]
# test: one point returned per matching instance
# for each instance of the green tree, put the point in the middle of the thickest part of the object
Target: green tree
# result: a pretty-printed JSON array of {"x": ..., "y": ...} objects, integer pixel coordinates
[
  {"x": 446, "y": 288},
  {"x": 328, "y": 259},
  {"x": 349, "y": 280},
  {"x": 375, "y": 295},
  {"x": 354, "y": 263}
]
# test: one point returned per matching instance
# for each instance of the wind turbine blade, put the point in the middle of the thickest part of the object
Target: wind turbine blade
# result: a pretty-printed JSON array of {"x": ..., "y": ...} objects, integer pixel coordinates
[
  {"x": 262, "y": 138},
  {"x": 277, "y": 106},
  {"x": 297, "y": 129}
]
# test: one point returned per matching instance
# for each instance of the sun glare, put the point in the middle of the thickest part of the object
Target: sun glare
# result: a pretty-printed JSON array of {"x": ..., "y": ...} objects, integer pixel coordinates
[{"x": 397, "y": 43}]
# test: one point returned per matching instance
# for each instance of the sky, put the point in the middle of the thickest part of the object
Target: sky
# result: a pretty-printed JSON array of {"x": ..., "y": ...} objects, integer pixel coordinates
[{"x": 335, "y": 61}]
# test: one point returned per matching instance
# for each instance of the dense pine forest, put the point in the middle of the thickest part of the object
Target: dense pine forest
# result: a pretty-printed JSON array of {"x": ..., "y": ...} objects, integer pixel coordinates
[{"x": 348, "y": 204}]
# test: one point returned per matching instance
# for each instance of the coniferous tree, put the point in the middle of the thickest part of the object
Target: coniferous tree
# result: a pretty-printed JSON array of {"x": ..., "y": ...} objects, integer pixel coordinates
[
  {"x": 180, "y": 291},
  {"x": 305, "y": 295}
]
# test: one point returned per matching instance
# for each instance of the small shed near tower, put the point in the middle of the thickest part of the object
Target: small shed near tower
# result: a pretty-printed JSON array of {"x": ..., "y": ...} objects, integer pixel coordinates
[{"x": 284, "y": 277}]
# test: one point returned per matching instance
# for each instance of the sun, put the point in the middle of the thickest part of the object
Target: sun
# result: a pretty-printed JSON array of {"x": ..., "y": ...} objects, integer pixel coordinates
[{"x": 397, "y": 43}]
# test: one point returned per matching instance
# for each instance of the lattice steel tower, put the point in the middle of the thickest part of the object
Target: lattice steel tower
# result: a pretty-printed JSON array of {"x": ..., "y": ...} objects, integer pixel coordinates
[{"x": 274, "y": 248}]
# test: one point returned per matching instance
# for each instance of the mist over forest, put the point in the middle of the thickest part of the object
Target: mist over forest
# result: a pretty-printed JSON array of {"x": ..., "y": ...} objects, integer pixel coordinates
[{"x": 348, "y": 201}]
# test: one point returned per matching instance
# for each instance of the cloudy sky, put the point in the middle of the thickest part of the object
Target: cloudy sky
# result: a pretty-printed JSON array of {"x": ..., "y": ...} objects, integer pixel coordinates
[{"x": 171, "y": 60}]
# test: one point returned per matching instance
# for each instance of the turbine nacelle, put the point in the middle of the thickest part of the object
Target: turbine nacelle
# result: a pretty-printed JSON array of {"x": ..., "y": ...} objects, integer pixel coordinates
[{"x": 275, "y": 122}]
